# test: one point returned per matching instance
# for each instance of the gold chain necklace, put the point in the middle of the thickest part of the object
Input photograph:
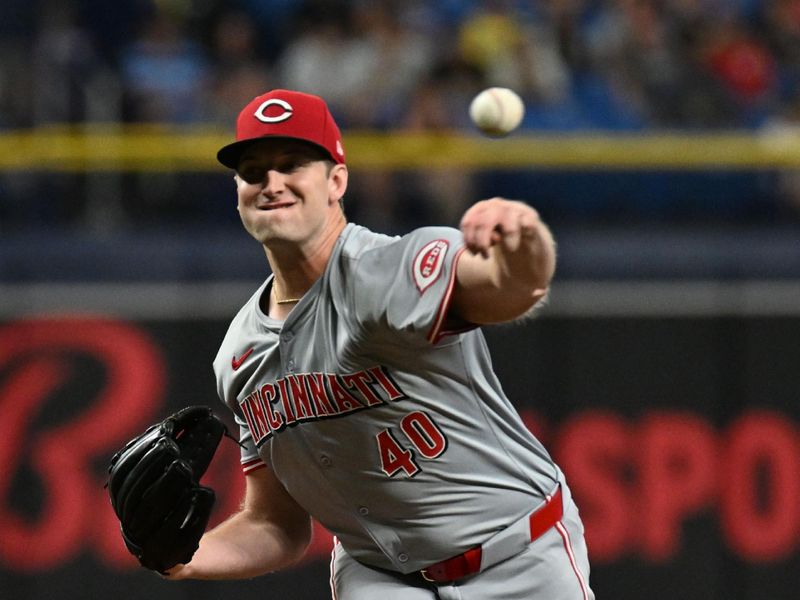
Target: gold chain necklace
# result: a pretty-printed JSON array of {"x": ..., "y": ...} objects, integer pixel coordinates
[{"x": 285, "y": 300}]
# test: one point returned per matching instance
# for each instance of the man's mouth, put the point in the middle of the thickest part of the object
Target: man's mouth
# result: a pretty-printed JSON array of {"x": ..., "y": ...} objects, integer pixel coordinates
[{"x": 274, "y": 205}]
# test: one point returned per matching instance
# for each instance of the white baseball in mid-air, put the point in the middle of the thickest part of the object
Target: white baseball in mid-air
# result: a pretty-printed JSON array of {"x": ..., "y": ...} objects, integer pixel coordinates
[{"x": 497, "y": 111}]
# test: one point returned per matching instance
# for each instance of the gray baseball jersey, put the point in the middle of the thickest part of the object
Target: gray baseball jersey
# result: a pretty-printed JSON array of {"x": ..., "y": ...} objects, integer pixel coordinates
[{"x": 381, "y": 419}]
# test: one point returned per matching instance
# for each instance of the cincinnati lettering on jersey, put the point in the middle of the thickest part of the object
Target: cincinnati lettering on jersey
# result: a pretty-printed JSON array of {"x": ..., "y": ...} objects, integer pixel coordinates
[{"x": 304, "y": 397}]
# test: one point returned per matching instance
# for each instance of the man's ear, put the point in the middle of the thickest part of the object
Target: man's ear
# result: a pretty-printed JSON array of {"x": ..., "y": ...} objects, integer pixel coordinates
[{"x": 337, "y": 183}]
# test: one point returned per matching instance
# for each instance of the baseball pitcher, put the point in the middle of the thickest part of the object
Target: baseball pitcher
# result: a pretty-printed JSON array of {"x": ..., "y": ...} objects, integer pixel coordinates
[{"x": 364, "y": 390}]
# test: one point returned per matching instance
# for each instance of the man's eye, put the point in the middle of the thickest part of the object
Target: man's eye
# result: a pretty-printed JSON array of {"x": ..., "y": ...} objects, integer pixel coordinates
[
  {"x": 251, "y": 175},
  {"x": 288, "y": 164},
  {"x": 291, "y": 164}
]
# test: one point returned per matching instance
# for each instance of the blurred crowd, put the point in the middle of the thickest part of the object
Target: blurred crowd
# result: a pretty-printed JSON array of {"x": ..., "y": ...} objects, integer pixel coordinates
[{"x": 405, "y": 64}]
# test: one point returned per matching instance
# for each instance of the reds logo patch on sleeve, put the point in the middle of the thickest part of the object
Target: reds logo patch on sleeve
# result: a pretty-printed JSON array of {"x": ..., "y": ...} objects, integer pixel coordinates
[{"x": 428, "y": 264}]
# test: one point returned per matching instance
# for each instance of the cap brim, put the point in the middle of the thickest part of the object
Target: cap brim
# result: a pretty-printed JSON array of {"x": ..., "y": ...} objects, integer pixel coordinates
[{"x": 231, "y": 154}]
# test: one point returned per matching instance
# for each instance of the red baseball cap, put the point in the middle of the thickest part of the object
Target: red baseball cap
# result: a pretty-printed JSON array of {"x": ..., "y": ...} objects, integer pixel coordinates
[{"x": 287, "y": 114}]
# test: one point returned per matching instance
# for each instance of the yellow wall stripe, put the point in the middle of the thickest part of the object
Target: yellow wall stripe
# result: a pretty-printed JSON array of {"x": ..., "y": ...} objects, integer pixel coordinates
[{"x": 171, "y": 148}]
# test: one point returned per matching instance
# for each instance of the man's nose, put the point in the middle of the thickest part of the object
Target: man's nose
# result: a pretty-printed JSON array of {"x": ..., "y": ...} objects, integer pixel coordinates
[{"x": 273, "y": 182}]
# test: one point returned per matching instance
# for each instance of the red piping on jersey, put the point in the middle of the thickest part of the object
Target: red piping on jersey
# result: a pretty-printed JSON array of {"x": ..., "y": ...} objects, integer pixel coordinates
[
  {"x": 253, "y": 465},
  {"x": 568, "y": 547},
  {"x": 436, "y": 332},
  {"x": 333, "y": 568}
]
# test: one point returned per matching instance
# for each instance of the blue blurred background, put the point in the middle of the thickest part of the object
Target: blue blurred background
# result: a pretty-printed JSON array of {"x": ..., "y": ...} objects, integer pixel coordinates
[{"x": 590, "y": 71}]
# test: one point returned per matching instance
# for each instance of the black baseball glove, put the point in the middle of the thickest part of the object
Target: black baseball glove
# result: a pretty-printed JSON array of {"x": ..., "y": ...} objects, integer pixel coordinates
[{"x": 155, "y": 491}]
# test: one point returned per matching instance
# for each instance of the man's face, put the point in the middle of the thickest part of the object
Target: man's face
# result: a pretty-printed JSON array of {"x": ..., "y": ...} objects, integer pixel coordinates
[{"x": 287, "y": 191}]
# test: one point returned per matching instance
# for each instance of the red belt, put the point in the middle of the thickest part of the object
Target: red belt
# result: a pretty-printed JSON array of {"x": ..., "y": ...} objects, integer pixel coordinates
[{"x": 469, "y": 562}]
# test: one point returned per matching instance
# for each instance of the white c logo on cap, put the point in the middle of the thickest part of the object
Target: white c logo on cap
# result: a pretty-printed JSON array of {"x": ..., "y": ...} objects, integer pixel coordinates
[{"x": 287, "y": 111}]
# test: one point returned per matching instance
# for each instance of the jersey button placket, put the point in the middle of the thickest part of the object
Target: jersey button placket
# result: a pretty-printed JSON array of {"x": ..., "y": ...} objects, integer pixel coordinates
[{"x": 286, "y": 349}]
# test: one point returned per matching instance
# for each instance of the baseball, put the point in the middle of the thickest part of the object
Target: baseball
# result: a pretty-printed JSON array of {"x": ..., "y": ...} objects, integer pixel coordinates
[{"x": 497, "y": 111}]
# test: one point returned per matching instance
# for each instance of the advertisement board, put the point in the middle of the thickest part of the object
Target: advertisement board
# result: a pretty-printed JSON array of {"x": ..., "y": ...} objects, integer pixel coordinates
[{"x": 678, "y": 434}]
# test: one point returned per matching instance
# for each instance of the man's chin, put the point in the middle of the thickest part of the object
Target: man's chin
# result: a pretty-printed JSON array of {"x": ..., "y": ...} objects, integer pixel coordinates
[{"x": 271, "y": 237}]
